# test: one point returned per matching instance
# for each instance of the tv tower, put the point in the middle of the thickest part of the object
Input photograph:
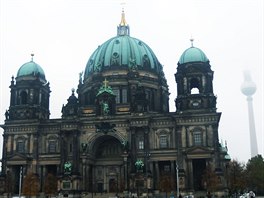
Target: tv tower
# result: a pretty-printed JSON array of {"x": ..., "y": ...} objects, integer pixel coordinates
[{"x": 248, "y": 88}]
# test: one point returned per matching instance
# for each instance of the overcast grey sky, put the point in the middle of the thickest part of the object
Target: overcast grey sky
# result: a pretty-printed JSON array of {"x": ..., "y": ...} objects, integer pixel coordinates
[{"x": 63, "y": 34}]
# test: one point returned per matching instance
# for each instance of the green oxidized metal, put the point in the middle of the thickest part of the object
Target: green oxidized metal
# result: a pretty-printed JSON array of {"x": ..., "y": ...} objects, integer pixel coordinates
[
  {"x": 31, "y": 68},
  {"x": 139, "y": 164},
  {"x": 105, "y": 89},
  {"x": 67, "y": 167},
  {"x": 193, "y": 54},
  {"x": 122, "y": 51}
]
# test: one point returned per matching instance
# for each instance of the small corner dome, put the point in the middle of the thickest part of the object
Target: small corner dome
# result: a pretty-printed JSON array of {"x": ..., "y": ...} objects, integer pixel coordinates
[
  {"x": 193, "y": 54},
  {"x": 31, "y": 69}
]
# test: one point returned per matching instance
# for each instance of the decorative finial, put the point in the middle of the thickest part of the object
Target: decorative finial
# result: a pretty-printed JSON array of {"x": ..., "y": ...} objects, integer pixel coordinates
[
  {"x": 73, "y": 90},
  {"x": 32, "y": 55},
  {"x": 191, "y": 41},
  {"x": 123, "y": 28},
  {"x": 123, "y": 19},
  {"x": 80, "y": 76}
]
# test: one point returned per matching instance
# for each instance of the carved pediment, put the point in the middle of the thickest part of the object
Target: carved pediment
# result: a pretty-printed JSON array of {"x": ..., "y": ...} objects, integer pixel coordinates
[
  {"x": 18, "y": 157},
  {"x": 198, "y": 150}
]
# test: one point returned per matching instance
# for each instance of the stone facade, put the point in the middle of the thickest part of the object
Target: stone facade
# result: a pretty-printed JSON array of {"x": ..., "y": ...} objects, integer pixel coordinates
[{"x": 118, "y": 134}]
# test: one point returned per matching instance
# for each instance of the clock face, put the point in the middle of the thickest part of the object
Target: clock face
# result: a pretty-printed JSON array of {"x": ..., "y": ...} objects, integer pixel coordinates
[{"x": 196, "y": 104}]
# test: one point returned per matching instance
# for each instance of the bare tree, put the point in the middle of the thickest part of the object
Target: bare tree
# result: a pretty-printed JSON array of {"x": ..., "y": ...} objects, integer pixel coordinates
[
  {"x": 30, "y": 184},
  {"x": 236, "y": 177},
  {"x": 50, "y": 185},
  {"x": 210, "y": 179},
  {"x": 167, "y": 183}
]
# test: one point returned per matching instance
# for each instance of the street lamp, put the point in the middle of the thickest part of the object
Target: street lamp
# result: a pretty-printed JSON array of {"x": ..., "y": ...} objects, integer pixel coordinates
[
  {"x": 177, "y": 179},
  {"x": 20, "y": 181},
  {"x": 147, "y": 155}
]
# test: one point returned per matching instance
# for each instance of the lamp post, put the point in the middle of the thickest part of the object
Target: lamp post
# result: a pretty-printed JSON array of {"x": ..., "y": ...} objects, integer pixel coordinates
[
  {"x": 20, "y": 181},
  {"x": 147, "y": 155},
  {"x": 177, "y": 179}
]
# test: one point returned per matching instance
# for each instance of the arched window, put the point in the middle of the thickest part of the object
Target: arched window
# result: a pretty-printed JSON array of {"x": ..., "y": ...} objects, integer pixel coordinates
[
  {"x": 117, "y": 94},
  {"x": 197, "y": 138},
  {"x": 23, "y": 97},
  {"x": 121, "y": 95},
  {"x": 194, "y": 91},
  {"x": 21, "y": 145},
  {"x": 163, "y": 141},
  {"x": 52, "y": 146},
  {"x": 140, "y": 142},
  {"x": 124, "y": 95},
  {"x": 194, "y": 86}
]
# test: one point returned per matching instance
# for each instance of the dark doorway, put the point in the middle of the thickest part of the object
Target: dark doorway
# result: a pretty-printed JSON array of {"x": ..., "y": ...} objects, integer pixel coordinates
[
  {"x": 112, "y": 185},
  {"x": 16, "y": 173},
  {"x": 100, "y": 187},
  {"x": 199, "y": 166},
  {"x": 52, "y": 169}
]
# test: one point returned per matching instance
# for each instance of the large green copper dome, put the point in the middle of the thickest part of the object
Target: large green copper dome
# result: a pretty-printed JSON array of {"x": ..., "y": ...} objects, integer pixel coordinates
[
  {"x": 193, "y": 54},
  {"x": 122, "y": 51},
  {"x": 31, "y": 69}
]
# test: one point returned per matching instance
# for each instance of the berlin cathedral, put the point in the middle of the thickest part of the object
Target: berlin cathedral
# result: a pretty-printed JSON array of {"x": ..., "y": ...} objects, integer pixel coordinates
[{"x": 116, "y": 133}]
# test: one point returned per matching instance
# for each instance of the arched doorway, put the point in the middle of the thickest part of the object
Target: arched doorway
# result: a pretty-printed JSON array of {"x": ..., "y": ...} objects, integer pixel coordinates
[
  {"x": 112, "y": 185},
  {"x": 108, "y": 163}
]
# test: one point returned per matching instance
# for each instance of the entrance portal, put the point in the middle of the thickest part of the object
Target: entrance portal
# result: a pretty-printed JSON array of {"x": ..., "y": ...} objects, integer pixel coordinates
[
  {"x": 112, "y": 186},
  {"x": 199, "y": 166}
]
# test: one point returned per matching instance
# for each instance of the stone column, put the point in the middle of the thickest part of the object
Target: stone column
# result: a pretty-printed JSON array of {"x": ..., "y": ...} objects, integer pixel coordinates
[
  {"x": 133, "y": 149},
  {"x": 190, "y": 174},
  {"x": 125, "y": 172},
  {"x": 173, "y": 173},
  {"x": 87, "y": 172},
  {"x": 75, "y": 152},
  {"x": 84, "y": 174},
  {"x": 146, "y": 149},
  {"x": 151, "y": 165},
  {"x": 157, "y": 174}
]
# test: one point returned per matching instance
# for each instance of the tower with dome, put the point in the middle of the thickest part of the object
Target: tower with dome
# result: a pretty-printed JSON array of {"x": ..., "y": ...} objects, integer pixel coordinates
[{"x": 116, "y": 133}]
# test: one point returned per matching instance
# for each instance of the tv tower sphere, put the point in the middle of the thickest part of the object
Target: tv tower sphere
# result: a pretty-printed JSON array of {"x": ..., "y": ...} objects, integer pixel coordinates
[{"x": 248, "y": 87}]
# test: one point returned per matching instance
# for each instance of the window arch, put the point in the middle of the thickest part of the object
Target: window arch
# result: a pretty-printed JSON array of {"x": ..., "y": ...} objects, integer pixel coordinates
[
  {"x": 197, "y": 137},
  {"x": 52, "y": 144},
  {"x": 140, "y": 142},
  {"x": 121, "y": 95},
  {"x": 23, "y": 97},
  {"x": 194, "y": 86},
  {"x": 21, "y": 145},
  {"x": 163, "y": 139}
]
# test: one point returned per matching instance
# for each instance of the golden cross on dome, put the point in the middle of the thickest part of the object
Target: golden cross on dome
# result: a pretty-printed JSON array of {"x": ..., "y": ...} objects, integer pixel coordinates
[{"x": 105, "y": 83}]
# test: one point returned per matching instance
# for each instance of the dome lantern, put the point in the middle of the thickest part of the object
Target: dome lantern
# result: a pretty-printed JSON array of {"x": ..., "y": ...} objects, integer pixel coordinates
[{"x": 123, "y": 28}]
